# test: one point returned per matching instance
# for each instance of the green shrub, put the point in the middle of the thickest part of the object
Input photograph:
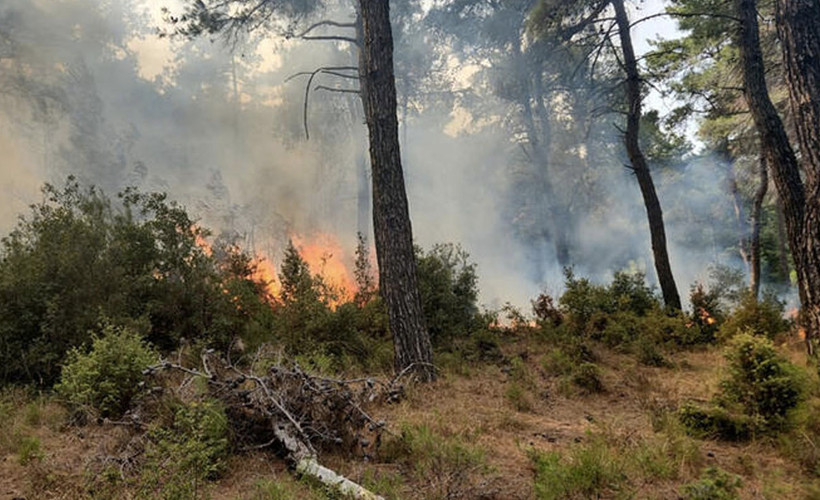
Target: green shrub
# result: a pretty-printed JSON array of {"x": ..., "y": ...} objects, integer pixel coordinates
[
  {"x": 77, "y": 255},
  {"x": 557, "y": 362},
  {"x": 483, "y": 345},
  {"x": 181, "y": 456},
  {"x": 587, "y": 376},
  {"x": 582, "y": 299},
  {"x": 800, "y": 443},
  {"x": 714, "y": 422},
  {"x": 765, "y": 385},
  {"x": 107, "y": 378},
  {"x": 631, "y": 293},
  {"x": 714, "y": 484},
  {"x": 518, "y": 397},
  {"x": 648, "y": 353},
  {"x": 707, "y": 311},
  {"x": 758, "y": 317},
  {"x": 671, "y": 328},
  {"x": 353, "y": 334},
  {"x": 448, "y": 285}
]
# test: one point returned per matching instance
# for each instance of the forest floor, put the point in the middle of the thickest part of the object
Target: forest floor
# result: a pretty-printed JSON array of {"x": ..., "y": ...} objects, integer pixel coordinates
[{"x": 477, "y": 432}]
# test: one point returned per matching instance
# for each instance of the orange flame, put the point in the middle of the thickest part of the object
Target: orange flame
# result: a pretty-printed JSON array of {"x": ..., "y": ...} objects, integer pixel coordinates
[
  {"x": 323, "y": 255},
  {"x": 202, "y": 243},
  {"x": 326, "y": 257},
  {"x": 705, "y": 316},
  {"x": 266, "y": 273}
]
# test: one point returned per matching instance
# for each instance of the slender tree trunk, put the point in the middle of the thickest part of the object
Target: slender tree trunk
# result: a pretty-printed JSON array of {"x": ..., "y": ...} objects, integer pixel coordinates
[
  {"x": 539, "y": 139},
  {"x": 363, "y": 212},
  {"x": 650, "y": 197},
  {"x": 798, "y": 27},
  {"x": 740, "y": 218},
  {"x": 391, "y": 218},
  {"x": 559, "y": 208},
  {"x": 782, "y": 244},
  {"x": 780, "y": 156},
  {"x": 755, "y": 222}
]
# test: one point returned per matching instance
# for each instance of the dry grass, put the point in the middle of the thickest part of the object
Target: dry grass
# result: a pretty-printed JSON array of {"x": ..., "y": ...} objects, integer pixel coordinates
[{"x": 473, "y": 410}]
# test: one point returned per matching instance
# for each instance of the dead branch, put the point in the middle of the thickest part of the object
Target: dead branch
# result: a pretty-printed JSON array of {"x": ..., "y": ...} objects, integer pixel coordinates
[
  {"x": 313, "y": 26},
  {"x": 332, "y": 38},
  {"x": 333, "y": 70},
  {"x": 297, "y": 412},
  {"x": 340, "y": 91}
]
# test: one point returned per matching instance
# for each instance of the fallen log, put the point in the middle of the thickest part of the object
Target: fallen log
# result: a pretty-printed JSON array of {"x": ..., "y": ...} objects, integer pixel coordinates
[
  {"x": 310, "y": 467},
  {"x": 298, "y": 409}
]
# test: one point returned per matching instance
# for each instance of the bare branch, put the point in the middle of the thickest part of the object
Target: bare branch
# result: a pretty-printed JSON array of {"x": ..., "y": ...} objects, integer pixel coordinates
[
  {"x": 685, "y": 14},
  {"x": 324, "y": 23},
  {"x": 341, "y": 91},
  {"x": 333, "y": 38}
]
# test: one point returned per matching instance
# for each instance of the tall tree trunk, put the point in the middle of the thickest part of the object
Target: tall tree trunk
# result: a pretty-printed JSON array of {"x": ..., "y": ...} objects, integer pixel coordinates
[
  {"x": 650, "y": 197},
  {"x": 740, "y": 215},
  {"x": 798, "y": 27},
  {"x": 539, "y": 137},
  {"x": 391, "y": 218},
  {"x": 363, "y": 213},
  {"x": 780, "y": 156},
  {"x": 559, "y": 208},
  {"x": 755, "y": 222},
  {"x": 782, "y": 244}
]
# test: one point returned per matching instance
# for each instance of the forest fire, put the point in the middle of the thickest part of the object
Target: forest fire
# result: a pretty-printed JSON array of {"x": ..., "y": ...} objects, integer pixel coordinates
[
  {"x": 322, "y": 253},
  {"x": 705, "y": 317},
  {"x": 265, "y": 272},
  {"x": 324, "y": 256}
]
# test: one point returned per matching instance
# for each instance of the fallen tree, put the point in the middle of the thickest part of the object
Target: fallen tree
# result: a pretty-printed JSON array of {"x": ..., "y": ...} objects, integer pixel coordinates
[{"x": 296, "y": 412}]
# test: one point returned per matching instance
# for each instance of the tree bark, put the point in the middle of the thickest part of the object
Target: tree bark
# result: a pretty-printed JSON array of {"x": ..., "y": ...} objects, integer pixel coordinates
[
  {"x": 737, "y": 202},
  {"x": 391, "y": 217},
  {"x": 782, "y": 244},
  {"x": 650, "y": 197},
  {"x": 539, "y": 138},
  {"x": 778, "y": 152},
  {"x": 798, "y": 27},
  {"x": 755, "y": 222}
]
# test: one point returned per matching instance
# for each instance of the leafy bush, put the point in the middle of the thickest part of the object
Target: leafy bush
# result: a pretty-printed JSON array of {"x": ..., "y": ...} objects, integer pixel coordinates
[
  {"x": 582, "y": 299},
  {"x": 630, "y": 292},
  {"x": 448, "y": 285},
  {"x": 546, "y": 311},
  {"x": 760, "y": 391},
  {"x": 707, "y": 312},
  {"x": 106, "y": 379},
  {"x": 764, "y": 384},
  {"x": 800, "y": 443},
  {"x": 351, "y": 334},
  {"x": 626, "y": 314},
  {"x": 182, "y": 455},
  {"x": 518, "y": 397},
  {"x": 715, "y": 422},
  {"x": 714, "y": 484},
  {"x": 648, "y": 353},
  {"x": 587, "y": 376},
  {"x": 78, "y": 255},
  {"x": 758, "y": 317},
  {"x": 671, "y": 328}
]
